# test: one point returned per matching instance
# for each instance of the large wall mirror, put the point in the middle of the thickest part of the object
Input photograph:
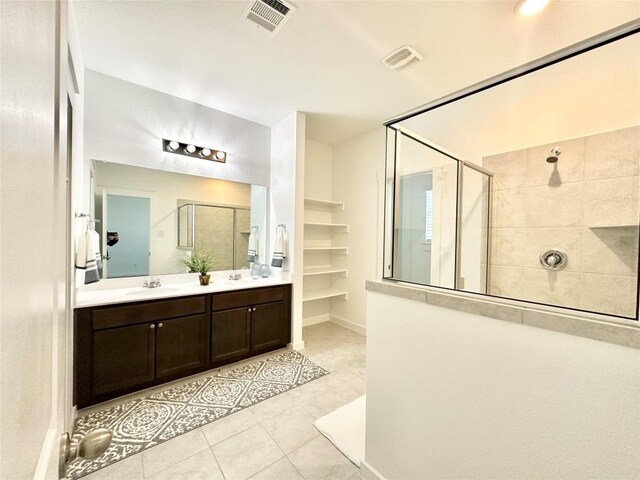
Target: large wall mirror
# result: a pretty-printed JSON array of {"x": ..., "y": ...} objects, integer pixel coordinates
[
  {"x": 150, "y": 219},
  {"x": 526, "y": 189}
]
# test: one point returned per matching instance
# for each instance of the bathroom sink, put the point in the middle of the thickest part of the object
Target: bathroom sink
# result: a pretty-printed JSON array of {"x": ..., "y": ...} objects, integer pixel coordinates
[
  {"x": 153, "y": 291},
  {"x": 233, "y": 282}
]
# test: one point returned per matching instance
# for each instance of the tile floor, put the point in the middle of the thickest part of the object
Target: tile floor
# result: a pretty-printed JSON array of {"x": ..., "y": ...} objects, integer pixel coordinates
[{"x": 272, "y": 440}]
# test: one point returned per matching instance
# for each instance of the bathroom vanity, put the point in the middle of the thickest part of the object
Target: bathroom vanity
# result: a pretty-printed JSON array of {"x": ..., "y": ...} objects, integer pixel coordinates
[{"x": 122, "y": 346}]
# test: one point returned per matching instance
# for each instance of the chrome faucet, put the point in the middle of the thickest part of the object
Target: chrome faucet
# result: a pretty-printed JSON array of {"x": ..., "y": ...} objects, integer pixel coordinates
[
  {"x": 151, "y": 283},
  {"x": 235, "y": 276}
]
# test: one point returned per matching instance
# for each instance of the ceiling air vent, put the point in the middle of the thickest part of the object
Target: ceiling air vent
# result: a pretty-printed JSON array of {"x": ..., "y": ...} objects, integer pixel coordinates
[
  {"x": 401, "y": 57},
  {"x": 269, "y": 15}
]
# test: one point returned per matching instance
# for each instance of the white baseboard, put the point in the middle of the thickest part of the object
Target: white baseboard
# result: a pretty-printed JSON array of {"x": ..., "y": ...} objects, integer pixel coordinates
[
  {"x": 343, "y": 322},
  {"x": 367, "y": 472},
  {"x": 296, "y": 346},
  {"x": 315, "y": 320}
]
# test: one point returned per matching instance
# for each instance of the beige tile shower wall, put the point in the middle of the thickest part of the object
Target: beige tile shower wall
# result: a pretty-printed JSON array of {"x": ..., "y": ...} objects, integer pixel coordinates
[
  {"x": 214, "y": 233},
  {"x": 585, "y": 204},
  {"x": 242, "y": 232}
]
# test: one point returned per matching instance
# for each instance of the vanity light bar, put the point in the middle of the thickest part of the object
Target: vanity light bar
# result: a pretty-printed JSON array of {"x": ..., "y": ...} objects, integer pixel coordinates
[{"x": 190, "y": 150}]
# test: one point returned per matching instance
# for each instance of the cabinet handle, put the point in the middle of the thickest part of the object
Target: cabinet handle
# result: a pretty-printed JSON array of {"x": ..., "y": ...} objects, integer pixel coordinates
[
  {"x": 254, "y": 309},
  {"x": 153, "y": 325},
  {"x": 160, "y": 325}
]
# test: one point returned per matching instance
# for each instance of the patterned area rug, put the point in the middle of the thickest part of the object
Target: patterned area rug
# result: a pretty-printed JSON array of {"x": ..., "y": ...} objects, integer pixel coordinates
[{"x": 149, "y": 421}]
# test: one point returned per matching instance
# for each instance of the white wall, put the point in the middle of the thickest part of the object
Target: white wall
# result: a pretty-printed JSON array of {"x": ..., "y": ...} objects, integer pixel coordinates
[
  {"x": 125, "y": 123},
  {"x": 259, "y": 218},
  {"x": 455, "y": 395},
  {"x": 287, "y": 205},
  {"x": 165, "y": 189},
  {"x": 318, "y": 171},
  {"x": 358, "y": 181}
]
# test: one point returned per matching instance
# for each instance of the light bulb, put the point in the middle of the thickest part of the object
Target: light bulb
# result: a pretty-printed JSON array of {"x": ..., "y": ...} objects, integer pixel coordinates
[
  {"x": 530, "y": 7},
  {"x": 191, "y": 148},
  {"x": 173, "y": 145},
  {"x": 220, "y": 155},
  {"x": 205, "y": 152}
]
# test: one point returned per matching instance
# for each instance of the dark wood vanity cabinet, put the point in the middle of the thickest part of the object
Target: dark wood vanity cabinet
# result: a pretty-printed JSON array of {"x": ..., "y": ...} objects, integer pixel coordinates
[
  {"x": 123, "y": 357},
  {"x": 230, "y": 334},
  {"x": 123, "y": 348},
  {"x": 181, "y": 345},
  {"x": 268, "y": 329},
  {"x": 249, "y": 322}
]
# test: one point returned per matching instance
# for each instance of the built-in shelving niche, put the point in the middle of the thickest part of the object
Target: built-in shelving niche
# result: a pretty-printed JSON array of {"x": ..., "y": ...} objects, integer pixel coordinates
[{"x": 325, "y": 258}]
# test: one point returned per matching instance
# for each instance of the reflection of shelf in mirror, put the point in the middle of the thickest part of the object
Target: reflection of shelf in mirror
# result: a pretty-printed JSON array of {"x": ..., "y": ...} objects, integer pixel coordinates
[
  {"x": 323, "y": 204},
  {"x": 310, "y": 295},
  {"x": 323, "y": 271},
  {"x": 338, "y": 250},
  {"x": 245, "y": 233},
  {"x": 329, "y": 225}
]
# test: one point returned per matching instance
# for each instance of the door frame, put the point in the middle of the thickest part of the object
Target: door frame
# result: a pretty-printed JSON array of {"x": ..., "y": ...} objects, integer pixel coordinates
[{"x": 61, "y": 413}]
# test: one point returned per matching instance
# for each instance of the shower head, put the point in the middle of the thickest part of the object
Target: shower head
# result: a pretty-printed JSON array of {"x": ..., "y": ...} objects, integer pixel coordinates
[{"x": 554, "y": 154}]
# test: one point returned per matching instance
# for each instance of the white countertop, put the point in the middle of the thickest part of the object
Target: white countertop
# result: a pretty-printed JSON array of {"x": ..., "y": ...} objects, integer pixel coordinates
[{"x": 173, "y": 286}]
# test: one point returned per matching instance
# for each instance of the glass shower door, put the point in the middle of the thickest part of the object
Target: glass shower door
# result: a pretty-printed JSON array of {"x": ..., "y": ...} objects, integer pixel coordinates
[
  {"x": 474, "y": 230},
  {"x": 440, "y": 216},
  {"x": 424, "y": 240}
]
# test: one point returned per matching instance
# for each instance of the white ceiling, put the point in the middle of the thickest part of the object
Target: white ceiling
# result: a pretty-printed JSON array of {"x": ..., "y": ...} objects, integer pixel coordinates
[{"x": 326, "y": 61}]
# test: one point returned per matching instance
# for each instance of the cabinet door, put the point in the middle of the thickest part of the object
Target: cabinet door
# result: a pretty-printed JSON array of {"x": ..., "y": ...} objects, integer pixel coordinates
[
  {"x": 267, "y": 326},
  {"x": 181, "y": 345},
  {"x": 123, "y": 358},
  {"x": 230, "y": 334}
]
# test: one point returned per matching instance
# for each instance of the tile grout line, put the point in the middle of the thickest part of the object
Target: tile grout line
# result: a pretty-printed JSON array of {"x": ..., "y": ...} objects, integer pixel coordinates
[
  {"x": 215, "y": 459},
  {"x": 169, "y": 466},
  {"x": 284, "y": 455}
]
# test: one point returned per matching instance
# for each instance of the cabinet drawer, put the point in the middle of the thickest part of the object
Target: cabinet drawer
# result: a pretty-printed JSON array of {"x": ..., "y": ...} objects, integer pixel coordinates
[
  {"x": 227, "y": 301},
  {"x": 147, "y": 312}
]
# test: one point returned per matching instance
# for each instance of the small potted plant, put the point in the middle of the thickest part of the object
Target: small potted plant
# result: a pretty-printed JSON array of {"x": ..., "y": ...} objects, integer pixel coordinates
[{"x": 201, "y": 262}]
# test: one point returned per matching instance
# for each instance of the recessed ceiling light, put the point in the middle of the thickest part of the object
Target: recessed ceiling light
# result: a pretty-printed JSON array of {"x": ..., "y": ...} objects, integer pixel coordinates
[{"x": 530, "y": 7}]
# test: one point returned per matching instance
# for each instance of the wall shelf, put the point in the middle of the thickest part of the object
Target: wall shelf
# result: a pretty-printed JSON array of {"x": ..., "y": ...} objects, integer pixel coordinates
[
  {"x": 328, "y": 225},
  {"x": 315, "y": 203},
  {"x": 325, "y": 265},
  {"x": 339, "y": 250},
  {"x": 324, "y": 271},
  {"x": 311, "y": 295}
]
